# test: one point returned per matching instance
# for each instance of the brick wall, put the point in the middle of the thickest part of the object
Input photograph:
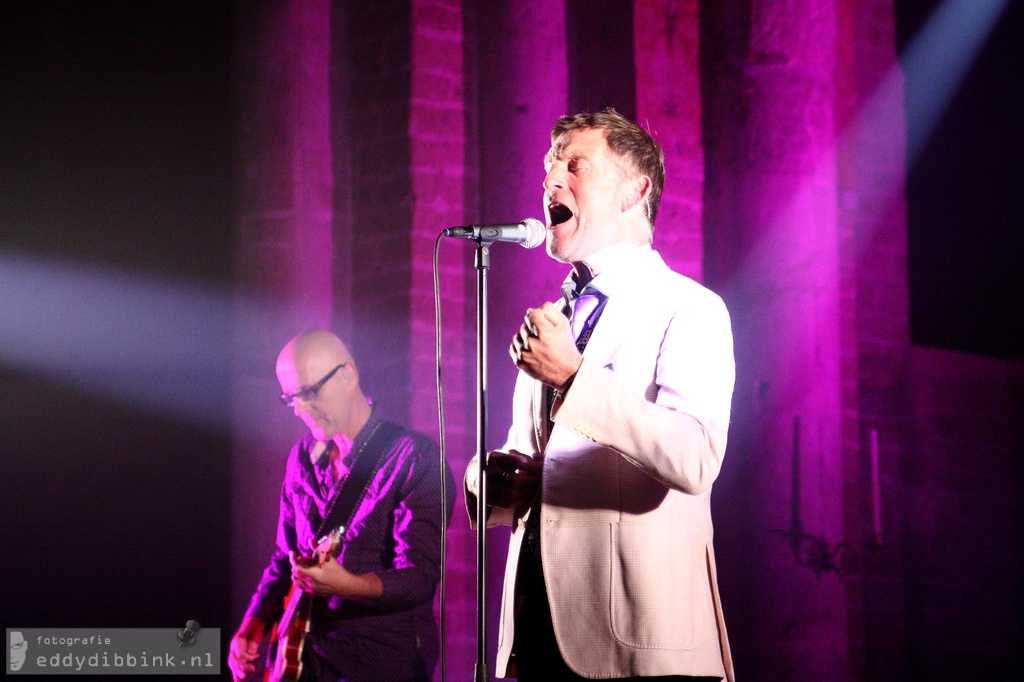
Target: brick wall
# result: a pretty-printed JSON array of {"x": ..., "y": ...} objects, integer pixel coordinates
[
  {"x": 774, "y": 234},
  {"x": 668, "y": 103},
  {"x": 284, "y": 254},
  {"x": 438, "y": 148},
  {"x": 377, "y": 49},
  {"x": 949, "y": 605}
]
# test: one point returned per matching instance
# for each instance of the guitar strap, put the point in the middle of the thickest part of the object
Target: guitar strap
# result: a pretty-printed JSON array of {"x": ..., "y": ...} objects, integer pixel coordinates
[{"x": 342, "y": 507}]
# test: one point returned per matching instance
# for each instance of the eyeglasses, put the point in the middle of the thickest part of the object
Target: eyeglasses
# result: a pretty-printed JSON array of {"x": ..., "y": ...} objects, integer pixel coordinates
[{"x": 309, "y": 394}]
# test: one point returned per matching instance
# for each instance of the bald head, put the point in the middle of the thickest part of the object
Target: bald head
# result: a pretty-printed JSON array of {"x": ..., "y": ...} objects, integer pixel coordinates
[
  {"x": 316, "y": 368},
  {"x": 316, "y": 343}
]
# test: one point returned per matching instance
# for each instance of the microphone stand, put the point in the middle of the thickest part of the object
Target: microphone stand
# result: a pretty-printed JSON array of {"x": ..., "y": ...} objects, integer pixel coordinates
[
  {"x": 529, "y": 233},
  {"x": 482, "y": 264}
]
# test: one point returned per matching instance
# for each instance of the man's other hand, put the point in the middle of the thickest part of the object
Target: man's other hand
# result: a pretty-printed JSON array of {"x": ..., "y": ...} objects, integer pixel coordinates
[{"x": 512, "y": 479}]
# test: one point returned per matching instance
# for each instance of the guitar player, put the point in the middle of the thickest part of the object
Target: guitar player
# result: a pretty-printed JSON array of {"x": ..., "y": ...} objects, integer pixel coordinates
[{"x": 372, "y": 611}]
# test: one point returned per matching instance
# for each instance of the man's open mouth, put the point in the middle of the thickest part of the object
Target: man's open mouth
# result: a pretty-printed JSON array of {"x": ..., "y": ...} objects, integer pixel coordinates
[{"x": 558, "y": 213}]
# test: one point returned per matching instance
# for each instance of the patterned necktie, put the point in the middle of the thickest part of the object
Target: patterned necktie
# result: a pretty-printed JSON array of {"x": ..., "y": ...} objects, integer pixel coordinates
[
  {"x": 582, "y": 308},
  {"x": 327, "y": 475}
]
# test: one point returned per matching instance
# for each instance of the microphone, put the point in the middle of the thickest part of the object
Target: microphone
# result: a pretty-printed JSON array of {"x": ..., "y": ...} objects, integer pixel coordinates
[{"x": 529, "y": 233}]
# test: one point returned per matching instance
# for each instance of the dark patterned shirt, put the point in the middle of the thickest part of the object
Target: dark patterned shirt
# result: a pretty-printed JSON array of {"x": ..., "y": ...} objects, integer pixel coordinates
[{"x": 395, "y": 533}]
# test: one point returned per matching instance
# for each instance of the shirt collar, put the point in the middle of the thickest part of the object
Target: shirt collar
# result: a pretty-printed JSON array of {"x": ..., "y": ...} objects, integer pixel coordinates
[
  {"x": 320, "y": 449},
  {"x": 609, "y": 260}
]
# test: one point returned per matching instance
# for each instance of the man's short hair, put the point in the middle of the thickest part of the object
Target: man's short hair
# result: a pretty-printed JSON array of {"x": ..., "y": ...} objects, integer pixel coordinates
[{"x": 629, "y": 142}]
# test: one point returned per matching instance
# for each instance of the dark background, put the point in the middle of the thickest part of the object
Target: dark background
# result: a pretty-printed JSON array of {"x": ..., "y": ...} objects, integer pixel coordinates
[
  {"x": 116, "y": 136},
  {"x": 115, "y": 154},
  {"x": 965, "y": 200}
]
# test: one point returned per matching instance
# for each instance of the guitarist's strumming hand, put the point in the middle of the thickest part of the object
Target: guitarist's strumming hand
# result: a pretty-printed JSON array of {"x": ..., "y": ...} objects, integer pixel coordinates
[
  {"x": 330, "y": 579},
  {"x": 245, "y": 647}
]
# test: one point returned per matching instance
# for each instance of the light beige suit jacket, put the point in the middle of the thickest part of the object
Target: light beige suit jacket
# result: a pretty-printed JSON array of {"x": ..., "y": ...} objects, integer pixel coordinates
[{"x": 638, "y": 440}]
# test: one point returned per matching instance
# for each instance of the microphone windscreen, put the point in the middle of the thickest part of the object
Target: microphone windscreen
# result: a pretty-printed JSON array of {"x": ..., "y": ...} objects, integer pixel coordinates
[{"x": 534, "y": 233}]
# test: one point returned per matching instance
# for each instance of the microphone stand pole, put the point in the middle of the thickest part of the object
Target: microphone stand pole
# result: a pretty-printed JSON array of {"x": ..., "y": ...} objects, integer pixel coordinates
[{"x": 483, "y": 264}]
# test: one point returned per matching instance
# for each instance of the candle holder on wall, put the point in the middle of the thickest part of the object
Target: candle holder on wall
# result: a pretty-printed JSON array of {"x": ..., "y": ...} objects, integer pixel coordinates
[{"x": 817, "y": 553}]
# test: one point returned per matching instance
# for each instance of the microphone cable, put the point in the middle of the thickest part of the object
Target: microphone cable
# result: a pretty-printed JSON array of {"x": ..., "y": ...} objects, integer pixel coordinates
[{"x": 442, "y": 589}]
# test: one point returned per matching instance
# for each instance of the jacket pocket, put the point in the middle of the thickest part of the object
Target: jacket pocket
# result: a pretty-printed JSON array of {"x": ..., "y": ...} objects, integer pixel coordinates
[{"x": 660, "y": 590}]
